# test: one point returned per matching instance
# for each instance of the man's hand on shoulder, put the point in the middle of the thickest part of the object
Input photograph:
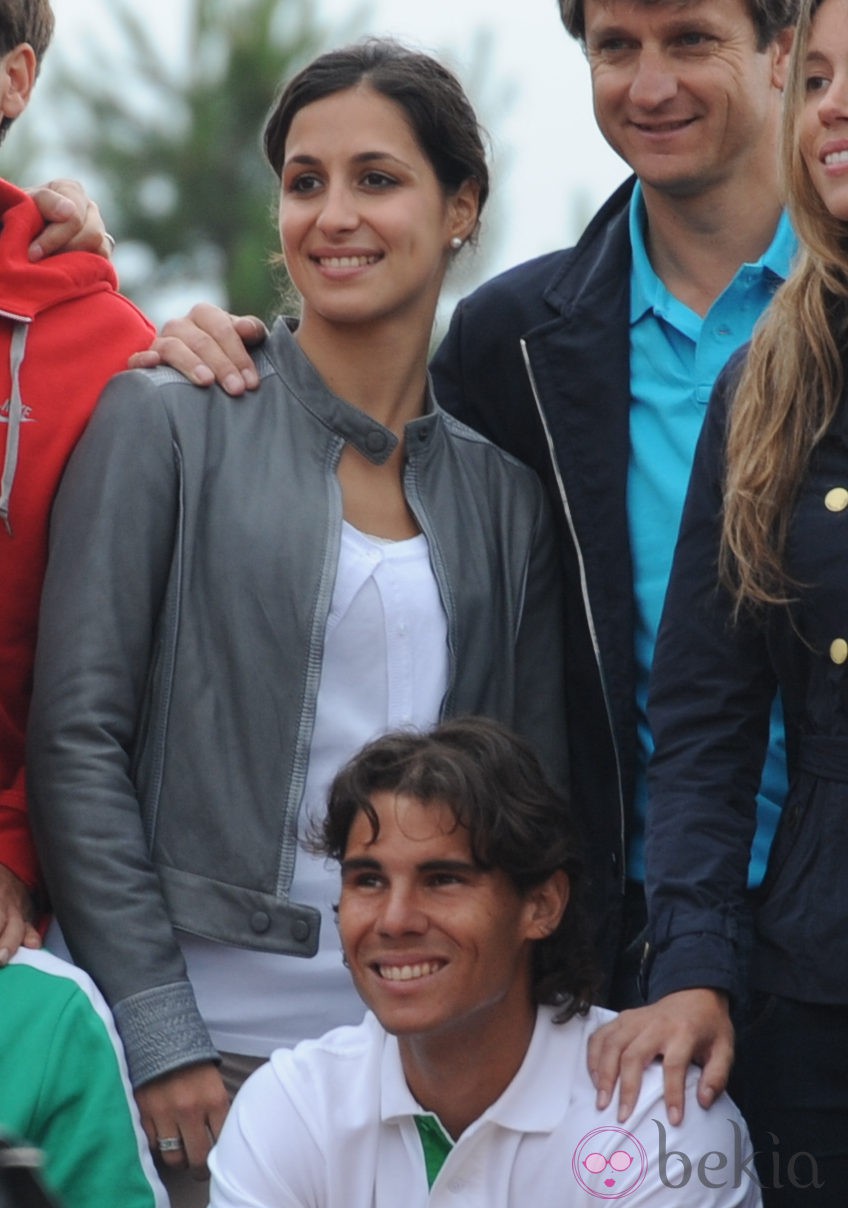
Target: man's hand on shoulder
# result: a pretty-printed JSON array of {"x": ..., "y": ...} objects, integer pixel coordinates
[
  {"x": 16, "y": 927},
  {"x": 208, "y": 345},
  {"x": 73, "y": 221},
  {"x": 682, "y": 1028}
]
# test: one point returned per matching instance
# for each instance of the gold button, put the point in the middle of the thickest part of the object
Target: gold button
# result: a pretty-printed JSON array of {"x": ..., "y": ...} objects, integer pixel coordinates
[
  {"x": 836, "y": 500},
  {"x": 839, "y": 650}
]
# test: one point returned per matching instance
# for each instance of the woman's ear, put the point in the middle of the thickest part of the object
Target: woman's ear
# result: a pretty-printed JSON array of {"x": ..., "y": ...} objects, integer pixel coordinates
[
  {"x": 464, "y": 210},
  {"x": 546, "y": 905}
]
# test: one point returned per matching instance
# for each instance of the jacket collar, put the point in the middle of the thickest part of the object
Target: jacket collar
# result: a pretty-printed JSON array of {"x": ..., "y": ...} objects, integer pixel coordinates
[
  {"x": 602, "y": 252},
  {"x": 367, "y": 435}
]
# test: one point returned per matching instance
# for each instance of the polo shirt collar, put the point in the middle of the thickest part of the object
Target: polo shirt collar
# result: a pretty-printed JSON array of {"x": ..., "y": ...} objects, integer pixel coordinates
[
  {"x": 533, "y": 1101},
  {"x": 647, "y": 292}
]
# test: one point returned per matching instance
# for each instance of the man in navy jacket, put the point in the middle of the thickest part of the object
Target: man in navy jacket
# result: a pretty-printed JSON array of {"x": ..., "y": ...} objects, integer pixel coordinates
[{"x": 594, "y": 365}]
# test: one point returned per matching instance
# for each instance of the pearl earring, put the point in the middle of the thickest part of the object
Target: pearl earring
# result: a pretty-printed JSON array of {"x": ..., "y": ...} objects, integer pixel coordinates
[{"x": 456, "y": 243}]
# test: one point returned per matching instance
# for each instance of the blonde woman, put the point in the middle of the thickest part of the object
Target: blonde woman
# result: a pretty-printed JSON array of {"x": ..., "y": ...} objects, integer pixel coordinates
[{"x": 757, "y": 604}]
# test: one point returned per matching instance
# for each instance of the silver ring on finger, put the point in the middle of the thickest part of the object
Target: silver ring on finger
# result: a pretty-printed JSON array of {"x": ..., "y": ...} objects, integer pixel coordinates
[{"x": 169, "y": 1144}]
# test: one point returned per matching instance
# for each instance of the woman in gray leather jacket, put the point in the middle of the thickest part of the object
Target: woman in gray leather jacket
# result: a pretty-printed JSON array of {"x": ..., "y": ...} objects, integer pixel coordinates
[{"x": 240, "y": 594}]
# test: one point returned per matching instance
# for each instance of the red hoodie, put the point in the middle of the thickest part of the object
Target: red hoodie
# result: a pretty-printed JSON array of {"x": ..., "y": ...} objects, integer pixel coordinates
[{"x": 64, "y": 331}]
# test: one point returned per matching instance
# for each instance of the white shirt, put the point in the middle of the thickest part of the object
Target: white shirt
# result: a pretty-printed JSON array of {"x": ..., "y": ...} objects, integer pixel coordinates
[
  {"x": 385, "y": 664},
  {"x": 330, "y": 1124}
]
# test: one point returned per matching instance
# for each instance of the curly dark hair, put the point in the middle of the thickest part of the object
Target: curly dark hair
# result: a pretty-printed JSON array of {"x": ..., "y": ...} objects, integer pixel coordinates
[{"x": 494, "y": 785}]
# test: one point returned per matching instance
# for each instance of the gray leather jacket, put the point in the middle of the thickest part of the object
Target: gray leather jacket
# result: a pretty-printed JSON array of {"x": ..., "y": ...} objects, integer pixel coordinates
[{"x": 193, "y": 552}]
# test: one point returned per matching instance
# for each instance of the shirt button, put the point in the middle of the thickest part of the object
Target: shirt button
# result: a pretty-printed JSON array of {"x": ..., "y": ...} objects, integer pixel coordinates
[
  {"x": 836, "y": 500},
  {"x": 260, "y": 921},
  {"x": 838, "y": 651},
  {"x": 300, "y": 930}
]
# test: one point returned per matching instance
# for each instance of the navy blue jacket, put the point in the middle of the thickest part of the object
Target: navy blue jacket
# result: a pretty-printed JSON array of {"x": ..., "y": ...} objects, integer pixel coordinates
[
  {"x": 712, "y": 684},
  {"x": 538, "y": 360}
]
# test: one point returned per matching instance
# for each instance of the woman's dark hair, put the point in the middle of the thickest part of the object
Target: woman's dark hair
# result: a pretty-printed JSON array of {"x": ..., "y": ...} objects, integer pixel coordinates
[
  {"x": 517, "y": 823},
  {"x": 431, "y": 97}
]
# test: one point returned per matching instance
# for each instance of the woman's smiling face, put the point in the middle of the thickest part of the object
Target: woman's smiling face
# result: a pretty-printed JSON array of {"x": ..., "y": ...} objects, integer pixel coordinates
[
  {"x": 365, "y": 224},
  {"x": 823, "y": 122}
]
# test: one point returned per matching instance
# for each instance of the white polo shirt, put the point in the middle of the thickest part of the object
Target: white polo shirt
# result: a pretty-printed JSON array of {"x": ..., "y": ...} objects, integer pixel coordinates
[{"x": 331, "y": 1124}]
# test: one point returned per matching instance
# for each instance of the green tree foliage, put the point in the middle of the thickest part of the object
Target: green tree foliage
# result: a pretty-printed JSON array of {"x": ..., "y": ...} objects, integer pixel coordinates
[{"x": 178, "y": 145}]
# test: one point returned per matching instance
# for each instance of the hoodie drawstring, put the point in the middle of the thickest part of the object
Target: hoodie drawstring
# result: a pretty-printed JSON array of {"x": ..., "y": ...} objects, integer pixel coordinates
[{"x": 16, "y": 414}]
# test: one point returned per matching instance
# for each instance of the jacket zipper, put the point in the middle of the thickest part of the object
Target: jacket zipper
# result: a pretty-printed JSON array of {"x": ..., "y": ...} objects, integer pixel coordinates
[{"x": 583, "y": 590}]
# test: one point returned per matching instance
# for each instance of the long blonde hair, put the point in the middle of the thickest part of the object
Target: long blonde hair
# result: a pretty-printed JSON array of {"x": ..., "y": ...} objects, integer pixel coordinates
[{"x": 791, "y": 384}]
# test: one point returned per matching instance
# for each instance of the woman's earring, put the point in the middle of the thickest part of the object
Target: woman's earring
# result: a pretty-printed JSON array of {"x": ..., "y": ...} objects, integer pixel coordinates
[{"x": 456, "y": 243}]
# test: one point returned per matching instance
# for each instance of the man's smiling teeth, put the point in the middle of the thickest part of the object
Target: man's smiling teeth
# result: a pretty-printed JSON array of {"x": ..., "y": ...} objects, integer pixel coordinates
[
  {"x": 662, "y": 127},
  {"x": 836, "y": 157},
  {"x": 346, "y": 261},
  {"x": 408, "y": 972}
]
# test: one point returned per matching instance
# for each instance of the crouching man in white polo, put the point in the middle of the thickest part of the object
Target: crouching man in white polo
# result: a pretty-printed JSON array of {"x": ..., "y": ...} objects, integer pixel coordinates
[{"x": 466, "y": 1084}]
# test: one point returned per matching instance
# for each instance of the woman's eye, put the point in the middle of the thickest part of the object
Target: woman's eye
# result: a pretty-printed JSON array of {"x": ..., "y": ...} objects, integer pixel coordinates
[
  {"x": 816, "y": 83},
  {"x": 378, "y": 180},
  {"x": 307, "y": 183}
]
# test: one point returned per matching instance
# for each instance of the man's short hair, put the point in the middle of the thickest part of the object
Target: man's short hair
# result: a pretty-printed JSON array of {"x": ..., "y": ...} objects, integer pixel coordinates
[
  {"x": 494, "y": 785},
  {"x": 26, "y": 21},
  {"x": 769, "y": 17}
]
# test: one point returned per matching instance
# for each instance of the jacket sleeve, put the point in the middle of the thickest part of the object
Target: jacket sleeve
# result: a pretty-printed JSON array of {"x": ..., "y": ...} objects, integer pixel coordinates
[
  {"x": 114, "y": 550},
  {"x": 712, "y": 686},
  {"x": 540, "y": 708}
]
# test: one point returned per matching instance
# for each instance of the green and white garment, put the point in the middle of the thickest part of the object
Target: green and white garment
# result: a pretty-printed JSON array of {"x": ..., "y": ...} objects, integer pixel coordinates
[{"x": 64, "y": 1087}]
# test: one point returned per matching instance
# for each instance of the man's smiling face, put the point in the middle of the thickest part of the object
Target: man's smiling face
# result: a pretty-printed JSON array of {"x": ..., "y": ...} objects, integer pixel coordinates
[
  {"x": 435, "y": 943},
  {"x": 681, "y": 91}
]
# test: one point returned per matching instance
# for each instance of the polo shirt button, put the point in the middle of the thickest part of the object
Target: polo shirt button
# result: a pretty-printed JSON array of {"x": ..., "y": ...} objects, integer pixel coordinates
[
  {"x": 260, "y": 921},
  {"x": 376, "y": 441},
  {"x": 456, "y": 1185},
  {"x": 836, "y": 500},
  {"x": 838, "y": 651},
  {"x": 300, "y": 930}
]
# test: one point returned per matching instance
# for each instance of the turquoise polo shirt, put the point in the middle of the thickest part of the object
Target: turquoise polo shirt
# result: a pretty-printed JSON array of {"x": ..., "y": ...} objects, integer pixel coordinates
[{"x": 675, "y": 357}]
